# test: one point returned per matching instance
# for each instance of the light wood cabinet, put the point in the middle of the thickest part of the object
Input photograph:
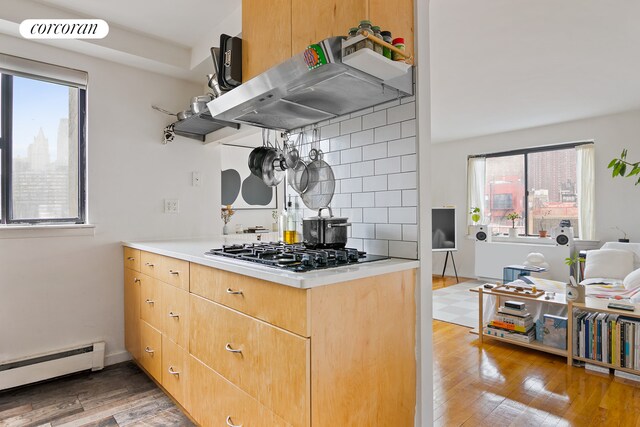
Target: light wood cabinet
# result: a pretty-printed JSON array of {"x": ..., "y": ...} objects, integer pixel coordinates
[
  {"x": 319, "y": 19},
  {"x": 151, "y": 302},
  {"x": 395, "y": 16},
  {"x": 268, "y": 363},
  {"x": 174, "y": 272},
  {"x": 132, "y": 280},
  {"x": 266, "y": 35},
  {"x": 132, "y": 259},
  {"x": 174, "y": 372},
  {"x": 175, "y": 314},
  {"x": 150, "y": 264},
  {"x": 151, "y": 350},
  {"x": 279, "y": 305}
]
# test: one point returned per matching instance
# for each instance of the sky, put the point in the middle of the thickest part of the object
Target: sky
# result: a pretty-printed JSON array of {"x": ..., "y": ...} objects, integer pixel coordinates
[{"x": 37, "y": 104}]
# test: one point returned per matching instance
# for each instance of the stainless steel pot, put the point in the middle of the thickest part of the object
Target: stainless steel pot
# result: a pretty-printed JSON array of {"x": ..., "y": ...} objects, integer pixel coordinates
[
  {"x": 325, "y": 232},
  {"x": 199, "y": 103}
]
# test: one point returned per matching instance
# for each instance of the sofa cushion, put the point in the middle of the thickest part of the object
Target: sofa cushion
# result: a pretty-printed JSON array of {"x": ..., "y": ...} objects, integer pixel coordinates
[
  {"x": 632, "y": 280},
  {"x": 608, "y": 264}
]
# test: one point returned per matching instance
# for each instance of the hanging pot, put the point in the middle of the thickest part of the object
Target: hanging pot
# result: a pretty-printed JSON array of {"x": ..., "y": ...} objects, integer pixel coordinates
[{"x": 325, "y": 232}]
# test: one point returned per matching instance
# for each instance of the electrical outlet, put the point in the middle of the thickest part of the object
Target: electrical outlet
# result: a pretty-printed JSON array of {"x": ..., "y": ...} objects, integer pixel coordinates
[
  {"x": 171, "y": 206},
  {"x": 196, "y": 178}
]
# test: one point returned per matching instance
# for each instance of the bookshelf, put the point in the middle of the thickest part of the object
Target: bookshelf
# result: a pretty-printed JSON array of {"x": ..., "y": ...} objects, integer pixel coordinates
[
  {"x": 594, "y": 305},
  {"x": 535, "y": 345}
]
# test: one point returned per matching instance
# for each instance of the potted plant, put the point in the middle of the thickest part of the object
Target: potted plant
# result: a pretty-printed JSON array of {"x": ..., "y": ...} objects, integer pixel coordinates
[
  {"x": 513, "y": 216},
  {"x": 624, "y": 239},
  {"x": 542, "y": 231},
  {"x": 621, "y": 167},
  {"x": 475, "y": 217},
  {"x": 226, "y": 214}
]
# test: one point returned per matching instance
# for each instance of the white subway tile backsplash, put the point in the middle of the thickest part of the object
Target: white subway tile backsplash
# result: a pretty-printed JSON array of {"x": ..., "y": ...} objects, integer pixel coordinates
[
  {"x": 409, "y": 163},
  {"x": 409, "y": 99},
  {"x": 363, "y": 231},
  {"x": 330, "y": 131},
  {"x": 352, "y": 185},
  {"x": 362, "y": 112},
  {"x": 387, "y": 133},
  {"x": 408, "y": 128},
  {"x": 350, "y": 156},
  {"x": 356, "y": 244},
  {"x": 340, "y": 143},
  {"x": 388, "y": 198},
  {"x": 409, "y": 233},
  {"x": 402, "y": 181},
  {"x": 399, "y": 249},
  {"x": 325, "y": 145},
  {"x": 363, "y": 200},
  {"x": 402, "y": 215},
  {"x": 341, "y": 201},
  {"x": 388, "y": 165},
  {"x": 409, "y": 197},
  {"x": 401, "y": 112},
  {"x": 333, "y": 158},
  {"x": 376, "y": 247},
  {"x": 350, "y": 126},
  {"x": 374, "y": 120},
  {"x": 374, "y": 151},
  {"x": 402, "y": 147},
  {"x": 362, "y": 169},
  {"x": 341, "y": 171},
  {"x": 359, "y": 139},
  {"x": 386, "y": 105},
  {"x": 389, "y": 231},
  {"x": 376, "y": 215},
  {"x": 375, "y": 183},
  {"x": 354, "y": 214}
]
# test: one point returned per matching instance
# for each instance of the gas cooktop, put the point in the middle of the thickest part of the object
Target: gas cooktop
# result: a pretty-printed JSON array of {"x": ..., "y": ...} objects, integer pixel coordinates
[{"x": 296, "y": 257}]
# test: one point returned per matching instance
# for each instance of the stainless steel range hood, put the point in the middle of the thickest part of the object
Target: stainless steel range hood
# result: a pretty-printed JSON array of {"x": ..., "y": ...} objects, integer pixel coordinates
[{"x": 291, "y": 95}]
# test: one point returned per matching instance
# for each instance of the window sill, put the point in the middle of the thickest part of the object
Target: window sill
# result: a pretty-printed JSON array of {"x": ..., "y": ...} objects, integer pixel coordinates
[{"x": 49, "y": 230}]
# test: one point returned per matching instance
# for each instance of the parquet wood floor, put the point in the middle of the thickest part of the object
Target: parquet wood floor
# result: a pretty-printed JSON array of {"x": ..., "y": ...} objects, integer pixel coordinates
[{"x": 119, "y": 395}]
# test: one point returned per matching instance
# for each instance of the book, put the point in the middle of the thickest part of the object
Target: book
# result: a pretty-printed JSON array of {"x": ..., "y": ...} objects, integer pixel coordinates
[
  {"x": 555, "y": 331},
  {"x": 519, "y": 313},
  {"x": 510, "y": 326},
  {"x": 501, "y": 333}
]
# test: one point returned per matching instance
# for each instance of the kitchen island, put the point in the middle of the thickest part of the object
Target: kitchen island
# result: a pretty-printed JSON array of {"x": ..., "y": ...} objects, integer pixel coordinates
[{"x": 244, "y": 344}]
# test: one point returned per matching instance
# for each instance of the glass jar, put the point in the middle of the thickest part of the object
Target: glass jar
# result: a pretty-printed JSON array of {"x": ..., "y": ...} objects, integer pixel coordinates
[
  {"x": 350, "y": 49},
  {"x": 399, "y": 44},
  {"x": 376, "y": 32},
  {"x": 386, "y": 36},
  {"x": 365, "y": 26}
]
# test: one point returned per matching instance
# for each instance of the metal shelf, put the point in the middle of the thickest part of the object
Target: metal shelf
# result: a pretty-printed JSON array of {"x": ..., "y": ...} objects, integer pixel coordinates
[{"x": 199, "y": 125}]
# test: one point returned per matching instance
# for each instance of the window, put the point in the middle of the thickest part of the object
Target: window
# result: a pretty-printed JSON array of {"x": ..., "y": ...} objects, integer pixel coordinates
[
  {"x": 42, "y": 144},
  {"x": 540, "y": 184}
]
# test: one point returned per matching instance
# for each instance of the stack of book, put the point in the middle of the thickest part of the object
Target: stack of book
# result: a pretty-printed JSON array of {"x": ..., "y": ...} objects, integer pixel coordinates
[
  {"x": 512, "y": 321},
  {"x": 607, "y": 338}
]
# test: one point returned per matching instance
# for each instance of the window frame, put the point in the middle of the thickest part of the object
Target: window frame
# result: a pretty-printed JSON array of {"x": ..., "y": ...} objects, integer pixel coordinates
[
  {"x": 525, "y": 152},
  {"x": 6, "y": 159}
]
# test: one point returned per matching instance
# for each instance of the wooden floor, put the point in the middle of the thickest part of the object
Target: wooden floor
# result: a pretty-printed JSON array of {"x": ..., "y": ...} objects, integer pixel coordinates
[
  {"x": 119, "y": 395},
  {"x": 443, "y": 282}
]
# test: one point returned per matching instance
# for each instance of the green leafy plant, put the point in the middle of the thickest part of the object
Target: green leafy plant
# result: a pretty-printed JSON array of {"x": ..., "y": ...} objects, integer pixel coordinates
[
  {"x": 620, "y": 166},
  {"x": 573, "y": 263},
  {"x": 513, "y": 216},
  {"x": 475, "y": 214}
]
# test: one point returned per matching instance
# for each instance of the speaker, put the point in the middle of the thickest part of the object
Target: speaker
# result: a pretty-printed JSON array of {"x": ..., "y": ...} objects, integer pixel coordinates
[
  {"x": 563, "y": 235},
  {"x": 481, "y": 233}
]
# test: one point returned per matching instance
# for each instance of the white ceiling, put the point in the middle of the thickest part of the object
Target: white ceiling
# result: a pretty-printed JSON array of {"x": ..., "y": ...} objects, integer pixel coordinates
[
  {"x": 182, "y": 22},
  {"x": 502, "y": 65}
]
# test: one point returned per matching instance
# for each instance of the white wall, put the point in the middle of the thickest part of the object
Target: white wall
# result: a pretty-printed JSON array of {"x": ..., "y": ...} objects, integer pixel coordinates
[
  {"x": 617, "y": 200},
  {"x": 61, "y": 291}
]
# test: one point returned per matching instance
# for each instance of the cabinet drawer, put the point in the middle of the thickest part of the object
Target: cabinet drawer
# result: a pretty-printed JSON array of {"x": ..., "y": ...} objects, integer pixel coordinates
[
  {"x": 279, "y": 305},
  {"x": 150, "y": 264},
  {"x": 231, "y": 406},
  {"x": 151, "y": 302},
  {"x": 132, "y": 283},
  {"x": 151, "y": 350},
  {"x": 132, "y": 258},
  {"x": 175, "y": 314},
  {"x": 174, "y": 272},
  {"x": 174, "y": 375},
  {"x": 268, "y": 363}
]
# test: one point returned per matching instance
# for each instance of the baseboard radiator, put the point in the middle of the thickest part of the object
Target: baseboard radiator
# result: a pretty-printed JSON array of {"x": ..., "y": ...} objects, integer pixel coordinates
[{"x": 51, "y": 365}]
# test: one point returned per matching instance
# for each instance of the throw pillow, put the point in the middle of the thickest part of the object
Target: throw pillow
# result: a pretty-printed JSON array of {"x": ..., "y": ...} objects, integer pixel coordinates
[
  {"x": 608, "y": 264},
  {"x": 632, "y": 280}
]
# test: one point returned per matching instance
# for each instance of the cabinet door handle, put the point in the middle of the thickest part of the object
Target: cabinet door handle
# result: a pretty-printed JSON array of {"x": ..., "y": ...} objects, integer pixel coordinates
[
  {"x": 172, "y": 314},
  {"x": 174, "y": 272},
  {"x": 231, "y": 424},
  {"x": 172, "y": 372},
  {"x": 148, "y": 264},
  {"x": 148, "y": 350},
  {"x": 150, "y": 301},
  {"x": 136, "y": 280},
  {"x": 232, "y": 292},
  {"x": 231, "y": 349},
  {"x": 131, "y": 258}
]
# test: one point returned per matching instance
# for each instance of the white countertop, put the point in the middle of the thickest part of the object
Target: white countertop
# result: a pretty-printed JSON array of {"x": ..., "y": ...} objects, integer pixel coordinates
[{"x": 193, "y": 250}]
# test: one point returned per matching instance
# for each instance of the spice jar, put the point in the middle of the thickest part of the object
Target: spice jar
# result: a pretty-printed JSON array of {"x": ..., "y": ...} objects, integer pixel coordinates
[
  {"x": 386, "y": 36},
  {"x": 399, "y": 44},
  {"x": 376, "y": 32},
  {"x": 350, "y": 49},
  {"x": 365, "y": 26}
]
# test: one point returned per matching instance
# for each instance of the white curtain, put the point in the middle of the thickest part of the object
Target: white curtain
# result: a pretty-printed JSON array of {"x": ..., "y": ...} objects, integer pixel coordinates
[
  {"x": 586, "y": 191},
  {"x": 475, "y": 187}
]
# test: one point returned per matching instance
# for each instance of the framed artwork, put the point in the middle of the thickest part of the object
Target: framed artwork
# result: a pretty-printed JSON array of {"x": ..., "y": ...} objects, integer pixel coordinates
[{"x": 238, "y": 186}]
